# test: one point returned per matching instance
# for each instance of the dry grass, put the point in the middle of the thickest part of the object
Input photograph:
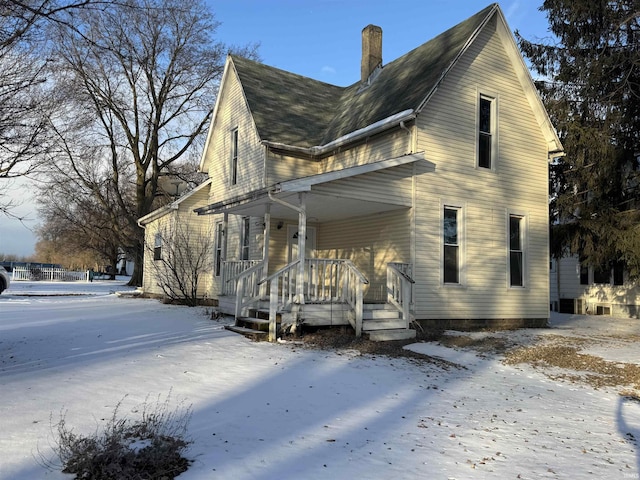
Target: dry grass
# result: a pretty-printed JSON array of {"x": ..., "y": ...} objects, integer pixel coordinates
[
  {"x": 557, "y": 356},
  {"x": 564, "y": 353}
]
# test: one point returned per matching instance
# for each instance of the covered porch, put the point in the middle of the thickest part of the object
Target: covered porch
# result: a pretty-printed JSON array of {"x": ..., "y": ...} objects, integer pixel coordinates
[{"x": 332, "y": 253}]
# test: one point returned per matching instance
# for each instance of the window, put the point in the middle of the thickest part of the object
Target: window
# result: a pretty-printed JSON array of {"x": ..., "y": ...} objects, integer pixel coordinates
[
  {"x": 618, "y": 273},
  {"x": 244, "y": 239},
  {"x": 516, "y": 251},
  {"x": 486, "y": 122},
  {"x": 219, "y": 238},
  {"x": 451, "y": 242},
  {"x": 233, "y": 169},
  {"x": 157, "y": 247},
  {"x": 584, "y": 274},
  {"x": 602, "y": 274}
]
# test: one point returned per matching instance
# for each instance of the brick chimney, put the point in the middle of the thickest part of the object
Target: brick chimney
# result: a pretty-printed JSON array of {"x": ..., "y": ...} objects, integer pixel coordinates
[{"x": 371, "y": 51}]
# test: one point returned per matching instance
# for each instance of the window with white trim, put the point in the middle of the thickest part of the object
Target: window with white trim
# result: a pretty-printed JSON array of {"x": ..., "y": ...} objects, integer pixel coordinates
[
  {"x": 219, "y": 238},
  {"x": 157, "y": 247},
  {"x": 233, "y": 167},
  {"x": 486, "y": 131},
  {"x": 451, "y": 245},
  {"x": 245, "y": 238},
  {"x": 516, "y": 251}
]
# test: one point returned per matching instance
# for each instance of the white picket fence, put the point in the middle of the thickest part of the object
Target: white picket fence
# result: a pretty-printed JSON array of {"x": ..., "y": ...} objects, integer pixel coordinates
[{"x": 48, "y": 274}]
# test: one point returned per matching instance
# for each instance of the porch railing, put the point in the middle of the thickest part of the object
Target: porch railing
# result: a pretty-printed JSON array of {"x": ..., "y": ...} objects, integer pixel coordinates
[
  {"x": 247, "y": 285},
  {"x": 400, "y": 288},
  {"x": 325, "y": 280},
  {"x": 231, "y": 270}
]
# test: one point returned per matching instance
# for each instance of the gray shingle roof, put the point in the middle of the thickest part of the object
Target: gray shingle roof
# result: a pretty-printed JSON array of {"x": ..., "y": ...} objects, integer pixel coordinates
[{"x": 296, "y": 110}]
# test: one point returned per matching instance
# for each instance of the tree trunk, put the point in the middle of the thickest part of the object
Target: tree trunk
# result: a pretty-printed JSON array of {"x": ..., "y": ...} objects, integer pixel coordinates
[{"x": 138, "y": 264}]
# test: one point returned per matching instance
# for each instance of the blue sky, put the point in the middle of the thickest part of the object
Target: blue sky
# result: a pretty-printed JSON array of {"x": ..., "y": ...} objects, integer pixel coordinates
[{"x": 321, "y": 39}]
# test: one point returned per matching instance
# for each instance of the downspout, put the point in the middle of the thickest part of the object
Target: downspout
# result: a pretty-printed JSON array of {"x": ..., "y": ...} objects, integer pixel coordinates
[
  {"x": 286, "y": 204},
  {"x": 404, "y": 127}
]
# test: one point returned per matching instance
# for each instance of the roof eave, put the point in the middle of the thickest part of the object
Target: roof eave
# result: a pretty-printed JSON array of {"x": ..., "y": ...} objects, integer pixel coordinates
[
  {"x": 349, "y": 138},
  {"x": 462, "y": 51}
]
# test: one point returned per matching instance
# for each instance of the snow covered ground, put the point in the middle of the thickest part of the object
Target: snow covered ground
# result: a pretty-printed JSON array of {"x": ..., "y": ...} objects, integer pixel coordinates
[{"x": 280, "y": 411}]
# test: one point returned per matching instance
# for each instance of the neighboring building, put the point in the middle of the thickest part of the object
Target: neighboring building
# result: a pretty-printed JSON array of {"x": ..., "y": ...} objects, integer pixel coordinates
[
  {"x": 175, "y": 234},
  {"x": 419, "y": 193},
  {"x": 577, "y": 288}
]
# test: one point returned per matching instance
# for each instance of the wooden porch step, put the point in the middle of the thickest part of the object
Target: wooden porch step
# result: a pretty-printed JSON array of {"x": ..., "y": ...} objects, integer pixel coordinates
[
  {"x": 380, "y": 314},
  {"x": 248, "y": 332},
  {"x": 388, "y": 335},
  {"x": 253, "y": 323},
  {"x": 383, "y": 324}
]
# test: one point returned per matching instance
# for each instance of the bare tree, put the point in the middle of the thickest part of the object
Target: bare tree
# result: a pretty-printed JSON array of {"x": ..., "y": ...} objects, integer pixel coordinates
[
  {"x": 78, "y": 227},
  {"x": 182, "y": 258},
  {"x": 137, "y": 80},
  {"x": 25, "y": 104}
]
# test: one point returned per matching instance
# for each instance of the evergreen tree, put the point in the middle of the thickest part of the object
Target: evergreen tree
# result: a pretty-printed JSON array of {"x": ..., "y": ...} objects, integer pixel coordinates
[{"x": 590, "y": 83}]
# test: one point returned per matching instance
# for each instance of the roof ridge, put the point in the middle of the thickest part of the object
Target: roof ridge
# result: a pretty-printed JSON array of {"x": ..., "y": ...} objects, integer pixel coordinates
[{"x": 291, "y": 109}]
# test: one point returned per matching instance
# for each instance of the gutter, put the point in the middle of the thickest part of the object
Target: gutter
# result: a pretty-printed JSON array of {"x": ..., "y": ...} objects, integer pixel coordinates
[
  {"x": 397, "y": 119},
  {"x": 160, "y": 212}
]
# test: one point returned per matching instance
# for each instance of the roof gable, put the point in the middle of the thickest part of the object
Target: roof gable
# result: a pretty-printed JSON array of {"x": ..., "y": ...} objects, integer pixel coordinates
[
  {"x": 186, "y": 198},
  {"x": 404, "y": 83},
  {"x": 290, "y": 109}
]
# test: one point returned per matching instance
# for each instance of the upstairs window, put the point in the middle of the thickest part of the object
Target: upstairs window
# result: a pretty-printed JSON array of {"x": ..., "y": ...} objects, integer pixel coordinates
[
  {"x": 486, "y": 134},
  {"x": 451, "y": 241},
  {"x": 157, "y": 247},
  {"x": 233, "y": 167},
  {"x": 516, "y": 251}
]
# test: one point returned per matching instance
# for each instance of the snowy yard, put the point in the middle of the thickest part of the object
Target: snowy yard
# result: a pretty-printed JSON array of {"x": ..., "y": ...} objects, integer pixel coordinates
[{"x": 280, "y": 411}]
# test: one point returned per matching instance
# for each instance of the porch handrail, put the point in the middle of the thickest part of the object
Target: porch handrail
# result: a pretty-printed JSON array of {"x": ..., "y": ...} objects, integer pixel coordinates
[
  {"x": 399, "y": 289},
  {"x": 247, "y": 287},
  {"x": 231, "y": 270},
  {"x": 280, "y": 296},
  {"x": 326, "y": 280},
  {"x": 279, "y": 272},
  {"x": 354, "y": 294}
]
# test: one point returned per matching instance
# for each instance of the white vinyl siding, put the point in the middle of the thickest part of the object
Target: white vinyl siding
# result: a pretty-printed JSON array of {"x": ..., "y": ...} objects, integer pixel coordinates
[
  {"x": 281, "y": 168},
  {"x": 193, "y": 228},
  {"x": 232, "y": 115},
  {"x": 371, "y": 243},
  {"x": 447, "y": 131},
  {"x": 393, "y": 185},
  {"x": 624, "y": 300},
  {"x": 394, "y": 144}
]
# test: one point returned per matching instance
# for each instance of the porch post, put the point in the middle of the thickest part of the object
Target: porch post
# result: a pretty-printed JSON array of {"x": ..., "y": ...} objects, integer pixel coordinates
[
  {"x": 302, "y": 245},
  {"x": 265, "y": 249}
]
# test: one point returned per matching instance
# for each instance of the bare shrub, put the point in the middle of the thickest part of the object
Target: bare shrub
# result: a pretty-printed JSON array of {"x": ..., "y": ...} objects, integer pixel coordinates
[{"x": 150, "y": 447}]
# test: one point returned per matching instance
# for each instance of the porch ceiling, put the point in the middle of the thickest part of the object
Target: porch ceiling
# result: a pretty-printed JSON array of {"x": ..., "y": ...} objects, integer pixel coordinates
[{"x": 319, "y": 207}]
